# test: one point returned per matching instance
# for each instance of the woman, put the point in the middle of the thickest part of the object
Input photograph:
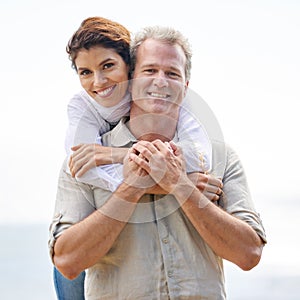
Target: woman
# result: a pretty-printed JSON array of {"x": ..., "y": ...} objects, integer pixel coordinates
[{"x": 100, "y": 53}]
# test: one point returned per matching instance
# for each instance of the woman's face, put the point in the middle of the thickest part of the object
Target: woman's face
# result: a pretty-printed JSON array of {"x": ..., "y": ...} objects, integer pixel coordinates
[{"x": 103, "y": 74}]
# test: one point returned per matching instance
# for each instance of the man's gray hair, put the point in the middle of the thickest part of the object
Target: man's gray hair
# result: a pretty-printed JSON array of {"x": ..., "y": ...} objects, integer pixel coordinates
[{"x": 164, "y": 34}]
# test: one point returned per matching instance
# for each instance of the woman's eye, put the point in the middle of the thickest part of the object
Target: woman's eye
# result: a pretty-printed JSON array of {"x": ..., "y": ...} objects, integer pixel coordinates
[
  {"x": 84, "y": 72},
  {"x": 108, "y": 65}
]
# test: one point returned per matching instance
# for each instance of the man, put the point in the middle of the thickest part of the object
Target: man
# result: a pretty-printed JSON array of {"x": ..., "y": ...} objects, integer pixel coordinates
[{"x": 157, "y": 236}]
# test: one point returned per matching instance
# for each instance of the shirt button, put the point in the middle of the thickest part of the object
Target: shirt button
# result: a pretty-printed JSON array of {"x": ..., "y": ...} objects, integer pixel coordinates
[
  {"x": 170, "y": 273},
  {"x": 165, "y": 241}
]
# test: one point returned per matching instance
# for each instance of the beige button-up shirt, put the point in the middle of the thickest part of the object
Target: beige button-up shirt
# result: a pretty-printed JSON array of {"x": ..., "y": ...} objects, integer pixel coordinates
[{"x": 159, "y": 254}]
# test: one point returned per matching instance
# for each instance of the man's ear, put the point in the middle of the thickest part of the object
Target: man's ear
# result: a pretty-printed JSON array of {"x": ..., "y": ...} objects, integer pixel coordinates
[{"x": 186, "y": 88}]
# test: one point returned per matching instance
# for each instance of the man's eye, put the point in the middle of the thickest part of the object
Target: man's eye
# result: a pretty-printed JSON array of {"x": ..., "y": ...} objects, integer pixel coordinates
[
  {"x": 149, "y": 71},
  {"x": 173, "y": 75}
]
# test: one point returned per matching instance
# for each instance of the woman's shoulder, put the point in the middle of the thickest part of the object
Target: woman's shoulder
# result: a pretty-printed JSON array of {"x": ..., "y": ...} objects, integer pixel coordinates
[{"x": 81, "y": 98}]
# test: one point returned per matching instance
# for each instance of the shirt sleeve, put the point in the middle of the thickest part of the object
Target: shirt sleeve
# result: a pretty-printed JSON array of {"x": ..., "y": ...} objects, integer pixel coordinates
[
  {"x": 86, "y": 126},
  {"x": 74, "y": 202},
  {"x": 84, "y": 123},
  {"x": 195, "y": 143},
  {"x": 236, "y": 198}
]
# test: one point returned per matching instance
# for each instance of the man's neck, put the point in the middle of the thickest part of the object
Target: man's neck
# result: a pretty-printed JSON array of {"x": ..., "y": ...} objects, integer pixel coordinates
[{"x": 149, "y": 127}]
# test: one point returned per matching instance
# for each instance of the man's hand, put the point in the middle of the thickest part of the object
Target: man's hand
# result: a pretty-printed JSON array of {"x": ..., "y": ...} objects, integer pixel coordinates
[
  {"x": 159, "y": 160},
  {"x": 165, "y": 164},
  {"x": 134, "y": 175}
]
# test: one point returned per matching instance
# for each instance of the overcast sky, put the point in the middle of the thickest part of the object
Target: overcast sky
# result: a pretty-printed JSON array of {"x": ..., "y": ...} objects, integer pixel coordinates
[{"x": 246, "y": 66}]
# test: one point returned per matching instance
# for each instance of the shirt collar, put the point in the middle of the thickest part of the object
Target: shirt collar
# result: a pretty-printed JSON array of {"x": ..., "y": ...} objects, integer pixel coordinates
[{"x": 122, "y": 137}]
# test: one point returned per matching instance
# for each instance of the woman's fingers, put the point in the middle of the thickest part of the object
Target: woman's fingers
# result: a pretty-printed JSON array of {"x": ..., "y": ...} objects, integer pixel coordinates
[
  {"x": 214, "y": 181},
  {"x": 208, "y": 184},
  {"x": 211, "y": 196}
]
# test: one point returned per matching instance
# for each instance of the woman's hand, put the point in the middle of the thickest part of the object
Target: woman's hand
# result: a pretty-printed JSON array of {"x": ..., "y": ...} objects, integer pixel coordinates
[
  {"x": 209, "y": 185},
  {"x": 87, "y": 156}
]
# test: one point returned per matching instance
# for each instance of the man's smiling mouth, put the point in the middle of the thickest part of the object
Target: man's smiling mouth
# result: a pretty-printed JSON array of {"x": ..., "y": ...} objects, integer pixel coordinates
[{"x": 158, "y": 95}]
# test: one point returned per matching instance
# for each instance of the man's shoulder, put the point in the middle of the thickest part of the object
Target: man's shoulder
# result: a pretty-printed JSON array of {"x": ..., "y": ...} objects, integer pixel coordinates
[
  {"x": 221, "y": 152},
  {"x": 223, "y": 157}
]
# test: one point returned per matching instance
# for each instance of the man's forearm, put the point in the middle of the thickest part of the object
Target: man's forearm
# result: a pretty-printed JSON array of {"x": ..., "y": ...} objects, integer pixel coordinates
[
  {"x": 229, "y": 237},
  {"x": 83, "y": 244}
]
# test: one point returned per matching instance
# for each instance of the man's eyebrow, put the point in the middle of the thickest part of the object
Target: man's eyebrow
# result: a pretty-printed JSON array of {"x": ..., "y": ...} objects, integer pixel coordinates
[
  {"x": 153, "y": 65},
  {"x": 149, "y": 65}
]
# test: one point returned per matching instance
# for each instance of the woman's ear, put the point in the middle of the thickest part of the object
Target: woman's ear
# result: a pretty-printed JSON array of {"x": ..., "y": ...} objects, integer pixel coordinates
[{"x": 130, "y": 86}]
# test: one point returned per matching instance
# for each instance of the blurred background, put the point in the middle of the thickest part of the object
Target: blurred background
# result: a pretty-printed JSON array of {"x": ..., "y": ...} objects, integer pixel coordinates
[{"x": 246, "y": 66}]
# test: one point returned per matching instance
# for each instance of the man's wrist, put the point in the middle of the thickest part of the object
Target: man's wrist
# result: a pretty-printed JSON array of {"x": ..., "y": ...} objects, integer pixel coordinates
[
  {"x": 129, "y": 192},
  {"x": 188, "y": 195},
  {"x": 122, "y": 203},
  {"x": 183, "y": 190}
]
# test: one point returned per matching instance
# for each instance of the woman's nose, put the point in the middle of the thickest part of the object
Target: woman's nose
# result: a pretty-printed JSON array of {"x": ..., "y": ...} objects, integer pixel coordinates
[{"x": 99, "y": 78}]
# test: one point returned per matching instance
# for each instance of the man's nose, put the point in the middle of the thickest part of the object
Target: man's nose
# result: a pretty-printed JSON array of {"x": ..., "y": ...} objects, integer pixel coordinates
[
  {"x": 99, "y": 78},
  {"x": 160, "y": 79}
]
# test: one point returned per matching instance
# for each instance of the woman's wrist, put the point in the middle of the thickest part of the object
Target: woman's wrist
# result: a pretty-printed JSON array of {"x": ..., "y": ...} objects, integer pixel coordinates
[{"x": 118, "y": 154}]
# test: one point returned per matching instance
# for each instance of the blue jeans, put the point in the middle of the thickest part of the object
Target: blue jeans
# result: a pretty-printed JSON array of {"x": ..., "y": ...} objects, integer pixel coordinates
[{"x": 68, "y": 289}]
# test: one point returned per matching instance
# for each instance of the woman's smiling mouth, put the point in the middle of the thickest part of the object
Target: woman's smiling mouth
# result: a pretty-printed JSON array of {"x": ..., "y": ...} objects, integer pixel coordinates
[{"x": 105, "y": 92}]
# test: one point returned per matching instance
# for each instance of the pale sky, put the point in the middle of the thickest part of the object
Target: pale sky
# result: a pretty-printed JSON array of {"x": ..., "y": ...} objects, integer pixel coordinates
[{"x": 246, "y": 66}]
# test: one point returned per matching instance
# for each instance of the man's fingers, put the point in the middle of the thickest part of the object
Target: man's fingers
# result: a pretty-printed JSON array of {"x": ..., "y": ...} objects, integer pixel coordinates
[
  {"x": 161, "y": 146},
  {"x": 146, "y": 149},
  {"x": 176, "y": 150},
  {"x": 139, "y": 161}
]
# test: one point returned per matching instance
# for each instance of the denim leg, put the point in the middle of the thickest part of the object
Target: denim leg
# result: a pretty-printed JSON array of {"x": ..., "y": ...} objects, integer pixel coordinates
[{"x": 68, "y": 289}]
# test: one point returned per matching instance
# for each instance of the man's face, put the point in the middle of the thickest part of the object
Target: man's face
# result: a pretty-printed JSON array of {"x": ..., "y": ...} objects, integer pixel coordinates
[{"x": 159, "y": 83}]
